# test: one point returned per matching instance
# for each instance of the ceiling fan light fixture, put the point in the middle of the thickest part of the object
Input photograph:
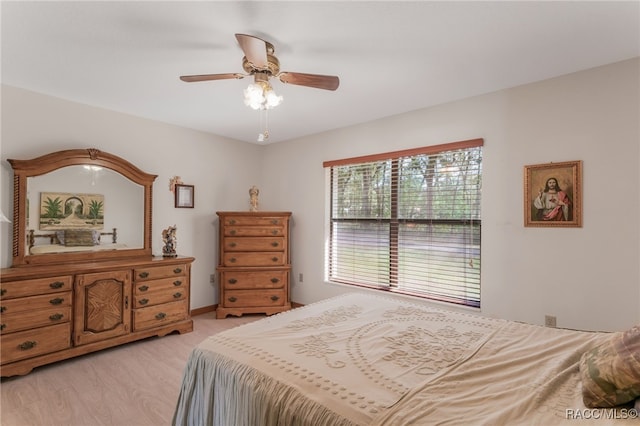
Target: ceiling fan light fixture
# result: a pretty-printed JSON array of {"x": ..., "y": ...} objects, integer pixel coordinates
[{"x": 260, "y": 95}]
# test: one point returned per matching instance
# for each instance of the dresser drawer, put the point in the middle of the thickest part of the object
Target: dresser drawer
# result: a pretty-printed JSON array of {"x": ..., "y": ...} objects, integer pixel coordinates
[
  {"x": 158, "y": 297},
  {"x": 254, "y": 259},
  {"x": 155, "y": 316},
  {"x": 254, "y": 221},
  {"x": 13, "y": 289},
  {"x": 251, "y": 298},
  {"x": 253, "y": 231},
  {"x": 241, "y": 280},
  {"x": 36, "y": 318},
  {"x": 155, "y": 272},
  {"x": 27, "y": 344},
  {"x": 35, "y": 303},
  {"x": 255, "y": 244},
  {"x": 144, "y": 287}
]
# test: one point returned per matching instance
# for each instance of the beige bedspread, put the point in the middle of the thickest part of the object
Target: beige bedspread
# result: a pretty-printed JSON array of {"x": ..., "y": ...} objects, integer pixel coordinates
[{"x": 365, "y": 359}]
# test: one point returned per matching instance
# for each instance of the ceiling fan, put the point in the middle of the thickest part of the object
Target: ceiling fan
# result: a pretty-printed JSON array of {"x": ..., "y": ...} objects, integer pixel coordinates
[{"x": 260, "y": 61}]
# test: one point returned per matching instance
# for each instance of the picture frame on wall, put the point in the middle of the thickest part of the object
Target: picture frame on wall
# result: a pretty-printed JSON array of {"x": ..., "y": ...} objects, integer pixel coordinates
[
  {"x": 184, "y": 196},
  {"x": 553, "y": 194}
]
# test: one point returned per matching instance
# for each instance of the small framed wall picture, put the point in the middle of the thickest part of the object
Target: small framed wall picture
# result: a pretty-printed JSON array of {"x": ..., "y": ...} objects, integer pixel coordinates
[
  {"x": 553, "y": 195},
  {"x": 184, "y": 196}
]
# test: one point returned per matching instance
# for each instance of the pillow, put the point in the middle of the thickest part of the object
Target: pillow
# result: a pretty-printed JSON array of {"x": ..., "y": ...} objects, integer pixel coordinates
[
  {"x": 610, "y": 372},
  {"x": 60, "y": 237},
  {"x": 81, "y": 237}
]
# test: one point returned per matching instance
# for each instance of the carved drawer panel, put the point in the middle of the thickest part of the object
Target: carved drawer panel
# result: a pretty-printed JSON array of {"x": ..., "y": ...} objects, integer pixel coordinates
[
  {"x": 12, "y": 289},
  {"x": 158, "y": 297},
  {"x": 254, "y": 259},
  {"x": 243, "y": 280},
  {"x": 35, "y": 318},
  {"x": 174, "y": 283},
  {"x": 27, "y": 344},
  {"x": 250, "y": 298},
  {"x": 255, "y": 244},
  {"x": 155, "y": 272},
  {"x": 155, "y": 316}
]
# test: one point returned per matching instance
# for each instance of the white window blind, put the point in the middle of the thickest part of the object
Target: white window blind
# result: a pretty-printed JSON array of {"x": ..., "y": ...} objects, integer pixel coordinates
[{"x": 409, "y": 222}]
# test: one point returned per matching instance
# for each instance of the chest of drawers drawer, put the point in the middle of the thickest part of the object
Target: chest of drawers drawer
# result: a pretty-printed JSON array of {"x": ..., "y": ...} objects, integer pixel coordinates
[
  {"x": 27, "y": 344},
  {"x": 254, "y": 259},
  {"x": 233, "y": 244},
  {"x": 244, "y": 280},
  {"x": 251, "y": 298},
  {"x": 13, "y": 289}
]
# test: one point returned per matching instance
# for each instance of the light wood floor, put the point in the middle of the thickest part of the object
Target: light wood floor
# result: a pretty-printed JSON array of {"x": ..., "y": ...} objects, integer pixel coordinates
[{"x": 136, "y": 384}]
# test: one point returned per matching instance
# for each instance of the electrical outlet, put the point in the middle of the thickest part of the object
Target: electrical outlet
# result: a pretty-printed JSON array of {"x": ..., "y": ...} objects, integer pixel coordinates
[
  {"x": 300, "y": 277},
  {"x": 212, "y": 278},
  {"x": 549, "y": 321}
]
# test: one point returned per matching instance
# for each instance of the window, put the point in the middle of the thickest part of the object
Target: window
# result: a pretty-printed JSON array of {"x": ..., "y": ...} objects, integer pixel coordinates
[{"x": 409, "y": 222}]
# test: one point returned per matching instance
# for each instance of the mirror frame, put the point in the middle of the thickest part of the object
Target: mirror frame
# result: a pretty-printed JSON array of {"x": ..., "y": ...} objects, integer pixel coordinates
[{"x": 23, "y": 169}]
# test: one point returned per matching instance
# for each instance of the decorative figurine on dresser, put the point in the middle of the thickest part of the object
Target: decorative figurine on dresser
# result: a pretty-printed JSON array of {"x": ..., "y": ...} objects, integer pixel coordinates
[
  {"x": 254, "y": 263},
  {"x": 73, "y": 289}
]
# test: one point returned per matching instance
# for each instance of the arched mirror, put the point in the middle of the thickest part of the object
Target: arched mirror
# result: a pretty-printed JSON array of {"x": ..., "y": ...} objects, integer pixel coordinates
[{"x": 80, "y": 205}]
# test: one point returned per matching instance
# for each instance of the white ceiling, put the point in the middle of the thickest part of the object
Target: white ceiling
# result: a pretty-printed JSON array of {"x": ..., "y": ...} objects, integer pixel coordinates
[{"x": 391, "y": 56}]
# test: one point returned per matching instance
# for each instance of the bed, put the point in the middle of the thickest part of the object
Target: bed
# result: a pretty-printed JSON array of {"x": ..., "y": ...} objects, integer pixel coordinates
[
  {"x": 362, "y": 359},
  {"x": 73, "y": 240}
]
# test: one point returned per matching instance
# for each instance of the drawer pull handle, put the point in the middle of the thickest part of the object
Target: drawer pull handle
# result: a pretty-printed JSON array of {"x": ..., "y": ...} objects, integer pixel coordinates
[
  {"x": 274, "y": 298},
  {"x": 232, "y": 299},
  {"x": 56, "y": 301},
  {"x": 275, "y": 280},
  {"x": 161, "y": 315},
  {"x": 232, "y": 281},
  {"x": 143, "y": 274},
  {"x": 275, "y": 244},
  {"x": 274, "y": 232},
  {"x": 177, "y": 295},
  {"x": 233, "y": 232},
  {"x": 3, "y": 308},
  {"x": 232, "y": 221},
  {"x": 3, "y": 292},
  {"x": 143, "y": 288},
  {"x": 177, "y": 283},
  {"x": 274, "y": 221},
  {"x": 232, "y": 260},
  {"x": 56, "y": 317},
  {"x": 56, "y": 284},
  {"x": 275, "y": 259},
  {"x": 3, "y": 326},
  {"x": 232, "y": 244},
  {"x": 29, "y": 344},
  {"x": 143, "y": 301},
  {"x": 177, "y": 270}
]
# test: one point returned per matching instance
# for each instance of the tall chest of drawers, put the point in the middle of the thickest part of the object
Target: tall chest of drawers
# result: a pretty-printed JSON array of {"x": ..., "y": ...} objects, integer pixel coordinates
[{"x": 254, "y": 263}]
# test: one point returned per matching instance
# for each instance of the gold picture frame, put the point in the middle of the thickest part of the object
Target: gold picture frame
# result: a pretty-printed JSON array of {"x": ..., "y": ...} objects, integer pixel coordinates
[
  {"x": 184, "y": 196},
  {"x": 553, "y": 195}
]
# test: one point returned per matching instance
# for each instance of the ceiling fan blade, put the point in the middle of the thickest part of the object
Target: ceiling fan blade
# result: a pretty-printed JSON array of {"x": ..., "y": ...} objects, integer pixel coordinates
[
  {"x": 255, "y": 50},
  {"x": 208, "y": 77},
  {"x": 326, "y": 82}
]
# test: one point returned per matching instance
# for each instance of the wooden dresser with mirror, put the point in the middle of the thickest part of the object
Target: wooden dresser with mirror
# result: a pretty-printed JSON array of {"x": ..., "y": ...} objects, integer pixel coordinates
[{"x": 83, "y": 277}]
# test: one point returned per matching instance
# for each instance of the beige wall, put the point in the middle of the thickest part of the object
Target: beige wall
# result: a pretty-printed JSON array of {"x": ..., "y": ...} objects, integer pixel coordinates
[{"x": 588, "y": 277}]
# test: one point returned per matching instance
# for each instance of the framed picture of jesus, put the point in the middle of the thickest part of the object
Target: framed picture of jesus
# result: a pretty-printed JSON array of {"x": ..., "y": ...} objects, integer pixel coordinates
[{"x": 553, "y": 194}]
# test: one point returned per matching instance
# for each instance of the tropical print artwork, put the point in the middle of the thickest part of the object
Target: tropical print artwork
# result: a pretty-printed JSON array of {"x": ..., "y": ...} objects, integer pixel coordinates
[{"x": 60, "y": 210}]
